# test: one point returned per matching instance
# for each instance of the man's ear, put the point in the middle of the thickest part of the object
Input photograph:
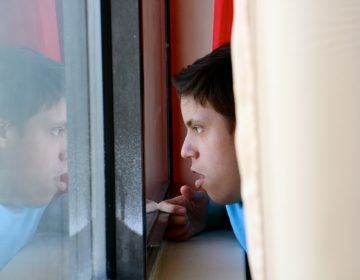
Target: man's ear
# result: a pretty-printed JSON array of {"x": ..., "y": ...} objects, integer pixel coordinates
[{"x": 4, "y": 130}]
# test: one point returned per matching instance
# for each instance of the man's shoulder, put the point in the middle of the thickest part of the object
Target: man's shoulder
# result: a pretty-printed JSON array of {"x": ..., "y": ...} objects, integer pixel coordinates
[
  {"x": 236, "y": 207},
  {"x": 17, "y": 227},
  {"x": 236, "y": 216}
]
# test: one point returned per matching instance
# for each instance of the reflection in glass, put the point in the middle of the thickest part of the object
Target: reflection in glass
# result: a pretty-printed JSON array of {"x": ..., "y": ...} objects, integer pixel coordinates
[
  {"x": 33, "y": 149},
  {"x": 48, "y": 223},
  {"x": 151, "y": 206},
  {"x": 156, "y": 105}
]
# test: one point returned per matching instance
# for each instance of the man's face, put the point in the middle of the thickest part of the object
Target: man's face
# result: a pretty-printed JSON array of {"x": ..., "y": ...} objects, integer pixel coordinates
[
  {"x": 209, "y": 143},
  {"x": 34, "y": 160}
]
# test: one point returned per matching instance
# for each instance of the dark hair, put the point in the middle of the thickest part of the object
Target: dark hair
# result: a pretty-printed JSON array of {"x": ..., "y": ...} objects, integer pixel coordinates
[
  {"x": 29, "y": 82},
  {"x": 209, "y": 79}
]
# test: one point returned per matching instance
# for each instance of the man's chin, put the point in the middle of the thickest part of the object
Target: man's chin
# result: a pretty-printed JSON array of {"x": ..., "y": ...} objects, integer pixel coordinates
[
  {"x": 221, "y": 200},
  {"x": 43, "y": 200},
  {"x": 59, "y": 194},
  {"x": 62, "y": 188},
  {"x": 217, "y": 199},
  {"x": 37, "y": 203}
]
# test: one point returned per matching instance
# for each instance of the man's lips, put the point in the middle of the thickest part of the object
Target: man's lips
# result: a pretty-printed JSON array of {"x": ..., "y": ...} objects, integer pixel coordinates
[
  {"x": 64, "y": 178},
  {"x": 200, "y": 181},
  {"x": 63, "y": 183}
]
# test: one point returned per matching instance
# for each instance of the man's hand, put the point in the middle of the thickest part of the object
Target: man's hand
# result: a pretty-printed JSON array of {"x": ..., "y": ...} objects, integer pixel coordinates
[{"x": 188, "y": 213}]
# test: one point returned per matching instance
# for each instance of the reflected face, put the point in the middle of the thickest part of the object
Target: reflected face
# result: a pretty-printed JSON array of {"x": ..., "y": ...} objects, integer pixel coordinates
[
  {"x": 209, "y": 143},
  {"x": 34, "y": 160}
]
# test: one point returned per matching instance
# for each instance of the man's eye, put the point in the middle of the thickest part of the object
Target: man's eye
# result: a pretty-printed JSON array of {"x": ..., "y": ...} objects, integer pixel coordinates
[
  {"x": 198, "y": 129},
  {"x": 56, "y": 131}
]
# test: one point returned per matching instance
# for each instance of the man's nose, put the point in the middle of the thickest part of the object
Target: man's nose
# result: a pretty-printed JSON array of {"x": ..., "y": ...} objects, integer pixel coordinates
[
  {"x": 63, "y": 155},
  {"x": 188, "y": 149}
]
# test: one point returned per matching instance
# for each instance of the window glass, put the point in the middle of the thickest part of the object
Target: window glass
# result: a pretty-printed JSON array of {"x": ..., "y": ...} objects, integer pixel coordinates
[
  {"x": 124, "y": 135},
  {"x": 51, "y": 209},
  {"x": 155, "y": 100}
]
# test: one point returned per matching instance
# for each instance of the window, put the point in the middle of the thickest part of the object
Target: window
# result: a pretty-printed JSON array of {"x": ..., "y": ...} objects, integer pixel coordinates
[
  {"x": 157, "y": 120},
  {"x": 123, "y": 139},
  {"x": 137, "y": 141},
  {"x": 116, "y": 145},
  {"x": 56, "y": 43}
]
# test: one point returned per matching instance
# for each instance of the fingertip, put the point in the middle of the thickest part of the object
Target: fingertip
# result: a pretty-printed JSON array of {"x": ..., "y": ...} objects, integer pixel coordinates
[
  {"x": 181, "y": 210},
  {"x": 185, "y": 187},
  {"x": 186, "y": 190},
  {"x": 167, "y": 207}
]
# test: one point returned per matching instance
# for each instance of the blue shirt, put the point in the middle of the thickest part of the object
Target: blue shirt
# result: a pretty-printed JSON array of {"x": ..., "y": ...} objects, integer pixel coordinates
[
  {"x": 17, "y": 227},
  {"x": 235, "y": 212}
]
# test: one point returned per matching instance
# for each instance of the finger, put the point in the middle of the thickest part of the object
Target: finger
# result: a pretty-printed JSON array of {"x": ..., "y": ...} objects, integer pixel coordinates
[
  {"x": 193, "y": 194},
  {"x": 151, "y": 206},
  {"x": 169, "y": 207},
  {"x": 178, "y": 233},
  {"x": 177, "y": 220}
]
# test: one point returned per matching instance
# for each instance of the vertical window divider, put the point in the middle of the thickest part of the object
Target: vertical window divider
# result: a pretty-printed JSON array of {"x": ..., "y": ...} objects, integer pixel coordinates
[
  {"x": 123, "y": 55},
  {"x": 96, "y": 140}
]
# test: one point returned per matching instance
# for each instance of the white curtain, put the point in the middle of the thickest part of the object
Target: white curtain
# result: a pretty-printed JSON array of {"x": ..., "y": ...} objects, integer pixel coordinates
[{"x": 296, "y": 79}]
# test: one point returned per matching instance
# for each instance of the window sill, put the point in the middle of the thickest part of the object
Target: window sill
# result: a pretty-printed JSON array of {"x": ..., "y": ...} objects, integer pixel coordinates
[
  {"x": 211, "y": 255},
  {"x": 44, "y": 258}
]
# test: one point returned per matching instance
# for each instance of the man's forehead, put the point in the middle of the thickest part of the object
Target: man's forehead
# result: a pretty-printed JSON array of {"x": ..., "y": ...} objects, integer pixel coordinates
[
  {"x": 51, "y": 114},
  {"x": 194, "y": 112},
  {"x": 188, "y": 102}
]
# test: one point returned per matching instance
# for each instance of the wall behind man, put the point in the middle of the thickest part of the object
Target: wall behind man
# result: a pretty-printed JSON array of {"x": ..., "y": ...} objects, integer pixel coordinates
[{"x": 191, "y": 27}]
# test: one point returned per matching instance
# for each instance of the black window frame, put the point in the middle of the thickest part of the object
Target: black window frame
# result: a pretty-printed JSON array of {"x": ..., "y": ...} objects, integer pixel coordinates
[{"x": 122, "y": 78}]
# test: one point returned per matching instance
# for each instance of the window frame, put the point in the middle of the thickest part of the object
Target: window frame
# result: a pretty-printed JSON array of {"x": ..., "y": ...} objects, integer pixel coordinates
[
  {"x": 85, "y": 110},
  {"x": 130, "y": 254},
  {"x": 123, "y": 128}
]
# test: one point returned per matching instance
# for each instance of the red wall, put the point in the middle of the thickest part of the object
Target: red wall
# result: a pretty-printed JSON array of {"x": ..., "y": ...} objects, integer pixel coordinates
[
  {"x": 155, "y": 107},
  {"x": 191, "y": 37},
  {"x": 31, "y": 23}
]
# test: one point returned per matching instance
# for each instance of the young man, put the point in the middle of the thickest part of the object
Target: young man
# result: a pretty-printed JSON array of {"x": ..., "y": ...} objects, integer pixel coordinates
[
  {"x": 208, "y": 110},
  {"x": 33, "y": 144}
]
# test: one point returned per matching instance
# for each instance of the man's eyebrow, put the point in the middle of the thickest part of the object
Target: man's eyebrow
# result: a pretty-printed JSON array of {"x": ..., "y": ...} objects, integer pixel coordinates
[
  {"x": 194, "y": 122},
  {"x": 59, "y": 123}
]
